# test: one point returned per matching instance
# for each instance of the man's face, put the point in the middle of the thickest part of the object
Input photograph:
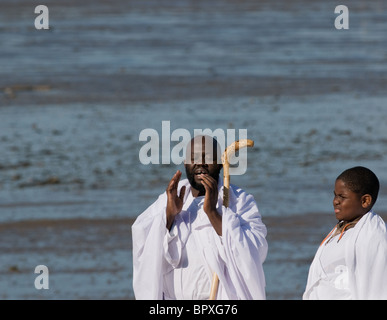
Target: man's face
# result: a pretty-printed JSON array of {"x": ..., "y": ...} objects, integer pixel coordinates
[{"x": 201, "y": 159}]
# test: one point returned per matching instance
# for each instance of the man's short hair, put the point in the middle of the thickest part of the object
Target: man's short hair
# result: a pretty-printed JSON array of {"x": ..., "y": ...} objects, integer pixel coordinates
[{"x": 361, "y": 181}]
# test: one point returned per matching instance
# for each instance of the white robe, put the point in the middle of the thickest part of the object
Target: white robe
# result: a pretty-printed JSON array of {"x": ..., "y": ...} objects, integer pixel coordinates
[
  {"x": 236, "y": 257},
  {"x": 365, "y": 261}
]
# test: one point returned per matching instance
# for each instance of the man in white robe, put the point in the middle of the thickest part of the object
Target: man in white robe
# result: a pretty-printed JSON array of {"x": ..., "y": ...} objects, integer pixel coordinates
[{"x": 187, "y": 235}]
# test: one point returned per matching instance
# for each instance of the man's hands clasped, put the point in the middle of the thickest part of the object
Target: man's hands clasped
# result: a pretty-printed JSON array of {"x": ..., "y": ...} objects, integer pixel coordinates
[{"x": 175, "y": 201}]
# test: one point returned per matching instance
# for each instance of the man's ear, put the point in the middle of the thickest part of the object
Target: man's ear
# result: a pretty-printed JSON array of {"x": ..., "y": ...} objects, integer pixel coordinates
[{"x": 366, "y": 200}]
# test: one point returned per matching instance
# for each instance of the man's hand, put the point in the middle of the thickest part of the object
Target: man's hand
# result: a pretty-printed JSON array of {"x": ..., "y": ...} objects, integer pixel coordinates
[
  {"x": 210, "y": 202},
  {"x": 174, "y": 202}
]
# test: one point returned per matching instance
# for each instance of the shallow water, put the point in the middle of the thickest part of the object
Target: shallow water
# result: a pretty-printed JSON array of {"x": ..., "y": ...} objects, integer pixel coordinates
[
  {"x": 89, "y": 155},
  {"x": 75, "y": 98}
]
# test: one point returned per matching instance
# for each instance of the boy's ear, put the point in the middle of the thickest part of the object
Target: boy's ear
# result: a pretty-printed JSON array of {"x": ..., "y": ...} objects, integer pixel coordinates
[{"x": 366, "y": 200}]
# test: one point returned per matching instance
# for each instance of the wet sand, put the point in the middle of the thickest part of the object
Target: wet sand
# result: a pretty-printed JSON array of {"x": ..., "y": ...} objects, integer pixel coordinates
[{"x": 86, "y": 258}]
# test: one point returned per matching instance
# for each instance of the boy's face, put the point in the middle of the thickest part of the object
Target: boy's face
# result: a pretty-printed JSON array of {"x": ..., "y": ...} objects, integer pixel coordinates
[{"x": 349, "y": 205}]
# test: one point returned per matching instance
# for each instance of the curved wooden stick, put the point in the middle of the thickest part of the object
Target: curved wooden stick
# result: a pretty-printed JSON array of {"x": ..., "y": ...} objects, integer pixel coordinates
[{"x": 230, "y": 150}]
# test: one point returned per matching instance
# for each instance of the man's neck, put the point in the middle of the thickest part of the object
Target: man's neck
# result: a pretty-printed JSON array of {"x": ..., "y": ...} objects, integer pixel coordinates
[{"x": 197, "y": 193}]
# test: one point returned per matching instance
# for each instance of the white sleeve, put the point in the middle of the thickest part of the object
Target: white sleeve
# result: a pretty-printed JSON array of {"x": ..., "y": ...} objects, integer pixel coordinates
[
  {"x": 245, "y": 246},
  {"x": 370, "y": 267},
  {"x": 172, "y": 247},
  {"x": 148, "y": 233}
]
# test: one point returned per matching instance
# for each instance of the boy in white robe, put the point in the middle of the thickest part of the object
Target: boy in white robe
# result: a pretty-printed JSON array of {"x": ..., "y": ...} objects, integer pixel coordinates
[
  {"x": 187, "y": 235},
  {"x": 351, "y": 262}
]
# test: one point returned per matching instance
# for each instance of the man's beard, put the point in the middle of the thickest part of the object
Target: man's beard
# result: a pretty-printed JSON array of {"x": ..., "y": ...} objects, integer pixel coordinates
[{"x": 194, "y": 184}]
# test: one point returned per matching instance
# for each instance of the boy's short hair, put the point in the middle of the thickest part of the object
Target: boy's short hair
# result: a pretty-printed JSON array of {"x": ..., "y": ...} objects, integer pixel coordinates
[{"x": 362, "y": 181}]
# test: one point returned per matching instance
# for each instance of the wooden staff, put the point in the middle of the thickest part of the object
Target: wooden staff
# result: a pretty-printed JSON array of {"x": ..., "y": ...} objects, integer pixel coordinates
[{"x": 230, "y": 150}]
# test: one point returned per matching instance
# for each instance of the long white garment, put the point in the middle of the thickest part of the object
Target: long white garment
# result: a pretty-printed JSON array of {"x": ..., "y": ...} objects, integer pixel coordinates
[
  {"x": 334, "y": 278},
  {"x": 363, "y": 267},
  {"x": 179, "y": 264}
]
